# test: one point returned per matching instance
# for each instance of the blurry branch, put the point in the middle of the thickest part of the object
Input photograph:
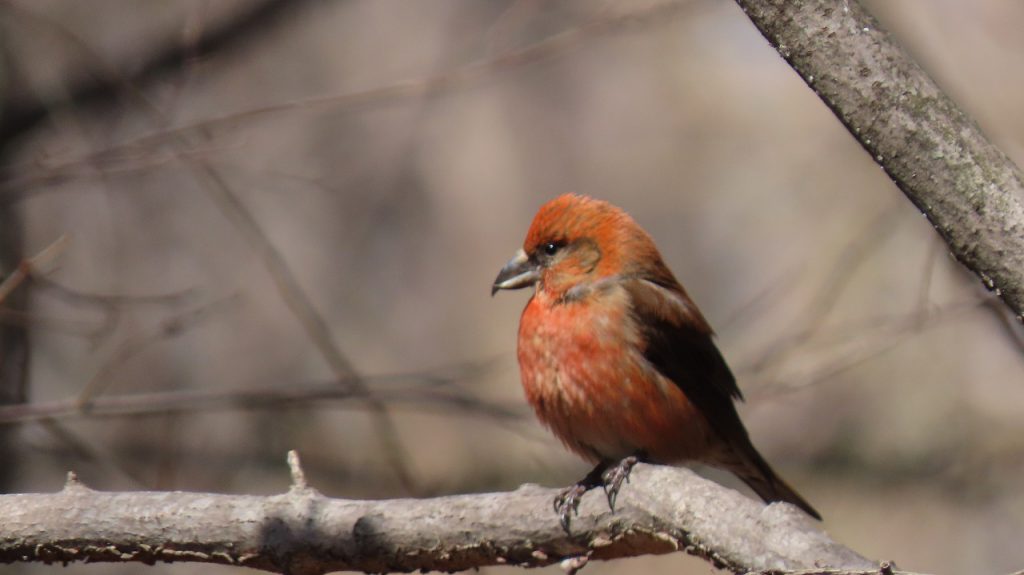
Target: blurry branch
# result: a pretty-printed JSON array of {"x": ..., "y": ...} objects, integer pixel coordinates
[
  {"x": 111, "y": 300},
  {"x": 824, "y": 352},
  {"x": 171, "y": 327},
  {"x": 77, "y": 446},
  {"x": 422, "y": 391},
  {"x": 110, "y": 303},
  {"x": 60, "y": 324},
  {"x": 924, "y": 293},
  {"x": 300, "y": 532},
  {"x": 1013, "y": 329},
  {"x": 29, "y": 266},
  {"x": 848, "y": 346},
  {"x": 864, "y": 243},
  {"x": 459, "y": 78},
  {"x": 302, "y": 308},
  {"x": 969, "y": 190},
  {"x": 285, "y": 280},
  {"x": 32, "y": 269},
  {"x": 19, "y": 117}
]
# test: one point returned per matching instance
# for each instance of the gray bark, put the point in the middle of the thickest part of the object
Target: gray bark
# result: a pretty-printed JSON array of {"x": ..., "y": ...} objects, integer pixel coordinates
[
  {"x": 661, "y": 510},
  {"x": 969, "y": 190}
]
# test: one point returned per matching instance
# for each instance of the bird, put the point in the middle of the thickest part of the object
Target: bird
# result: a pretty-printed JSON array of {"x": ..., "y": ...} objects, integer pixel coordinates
[{"x": 617, "y": 360}]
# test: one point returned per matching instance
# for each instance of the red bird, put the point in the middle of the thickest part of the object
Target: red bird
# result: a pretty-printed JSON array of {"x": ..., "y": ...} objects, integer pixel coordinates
[{"x": 618, "y": 361}]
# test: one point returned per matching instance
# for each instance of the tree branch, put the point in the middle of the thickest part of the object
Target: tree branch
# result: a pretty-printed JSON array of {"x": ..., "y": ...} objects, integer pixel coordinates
[
  {"x": 21, "y": 116},
  {"x": 662, "y": 510},
  {"x": 970, "y": 191},
  {"x": 132, "y": 154},
  {"x": 416, "y": 393}
]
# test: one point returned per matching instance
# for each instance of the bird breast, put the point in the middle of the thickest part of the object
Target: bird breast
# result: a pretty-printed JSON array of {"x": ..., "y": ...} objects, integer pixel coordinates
[{"x": 584, "y": 373}]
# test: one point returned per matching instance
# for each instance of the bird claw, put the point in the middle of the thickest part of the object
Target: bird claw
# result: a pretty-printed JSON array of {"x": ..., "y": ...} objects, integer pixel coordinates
[
  {"x": 567, "y": 502},
  {"x": 609, "y": 477},
  {"x": 613, "y": 477}
]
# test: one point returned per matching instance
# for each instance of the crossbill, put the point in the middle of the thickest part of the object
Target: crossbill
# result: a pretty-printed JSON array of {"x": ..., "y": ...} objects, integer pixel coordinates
[{"x": 617, "y": 360}]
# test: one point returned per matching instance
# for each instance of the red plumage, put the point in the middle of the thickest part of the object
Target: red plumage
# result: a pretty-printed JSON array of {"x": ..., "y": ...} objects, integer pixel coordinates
[{"x": 615, "y": 357}]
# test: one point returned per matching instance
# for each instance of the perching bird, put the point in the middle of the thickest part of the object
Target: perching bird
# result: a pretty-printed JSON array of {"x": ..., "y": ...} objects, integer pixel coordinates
[{"x": 617, "y": 360}]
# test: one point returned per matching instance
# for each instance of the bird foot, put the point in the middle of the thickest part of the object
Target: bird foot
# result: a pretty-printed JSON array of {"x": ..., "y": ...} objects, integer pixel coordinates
[
  {"x": 608, "y": 476},
  {"x": 613, "y": 477},
  {"x": 567, "y": 503}
]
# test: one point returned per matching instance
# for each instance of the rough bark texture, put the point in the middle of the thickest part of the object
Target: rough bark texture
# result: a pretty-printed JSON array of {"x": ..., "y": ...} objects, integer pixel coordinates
[
  {"x": 970, "y": 191},
  {"x": 662, "y": 510}
]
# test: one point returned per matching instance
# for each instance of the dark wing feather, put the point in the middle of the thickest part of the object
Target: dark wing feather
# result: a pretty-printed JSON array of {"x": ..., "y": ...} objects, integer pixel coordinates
[{"x": 679, "y": 345}]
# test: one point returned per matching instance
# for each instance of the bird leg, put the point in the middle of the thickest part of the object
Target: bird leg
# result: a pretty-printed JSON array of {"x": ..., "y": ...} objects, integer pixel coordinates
[
  {"x": 613, "y": 476},
  {"x": 568, "y": 500},
  {"x": 605, "y": 474}
]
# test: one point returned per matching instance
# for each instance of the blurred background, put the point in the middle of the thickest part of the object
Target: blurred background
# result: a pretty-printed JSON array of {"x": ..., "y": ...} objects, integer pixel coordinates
[{"x": 266, "y": 225}]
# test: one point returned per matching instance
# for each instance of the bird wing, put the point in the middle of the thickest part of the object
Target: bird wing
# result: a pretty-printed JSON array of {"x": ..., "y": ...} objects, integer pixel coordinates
[{"x": 679, "y": 345}]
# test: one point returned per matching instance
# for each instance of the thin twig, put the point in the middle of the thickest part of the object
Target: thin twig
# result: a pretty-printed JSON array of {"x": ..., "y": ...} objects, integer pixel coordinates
[
  {"x": 863, "y": 243},
  {"x": 108, "y": 300},
  {"x": 870, "y": 338},
  {"x": 924, "y": 293},
  {"x": 171, "y": 327},
  {"x": 29, "y": 266},
  {"x": 21, "y": 116},
  {"x": 316, "y": 394},
  {"x": 286, "y": 282},
  {"x": 458, "y": 79},
  {"x": 80, "y": 448}
]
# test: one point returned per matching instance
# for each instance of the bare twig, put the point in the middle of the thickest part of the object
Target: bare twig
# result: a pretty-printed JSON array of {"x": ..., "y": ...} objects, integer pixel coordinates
[
  {"x": 171, "y": 327},
  {"x": 86, "y": 451},
  {"x": 109, "y": 300},
  {"x": 29, "y": 178},
  {"x": 47, "y": 322},
  {"x": 28, "y": 267},
  {"x": 420, "y": 391},
  {"x": 924, "y": 293},
  {"x": 298, "y": 475},
  {"x": 1013, "y": 329},
  {"x": 22, "y": 116},
  {"x": 853, "y": 344},
  {"x": 854, "y": 254},
  {"x": 286, "y": 282},
  {"x": 302, "y": 308}
]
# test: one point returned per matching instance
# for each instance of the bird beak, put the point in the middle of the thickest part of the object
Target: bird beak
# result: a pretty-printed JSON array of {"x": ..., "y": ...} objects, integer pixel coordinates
[{"x": 519, "y": 272}]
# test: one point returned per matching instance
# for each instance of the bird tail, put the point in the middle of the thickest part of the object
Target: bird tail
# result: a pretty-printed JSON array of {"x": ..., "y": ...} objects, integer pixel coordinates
[{"x": 759, "y": 476}]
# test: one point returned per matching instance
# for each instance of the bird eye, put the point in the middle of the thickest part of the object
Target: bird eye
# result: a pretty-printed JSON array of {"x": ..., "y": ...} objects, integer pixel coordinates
[{"x": 551, "y": 248}]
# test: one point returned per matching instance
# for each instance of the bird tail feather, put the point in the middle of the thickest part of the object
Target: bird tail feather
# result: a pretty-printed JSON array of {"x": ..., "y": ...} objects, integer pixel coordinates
[{"x": 759, "y": 476}]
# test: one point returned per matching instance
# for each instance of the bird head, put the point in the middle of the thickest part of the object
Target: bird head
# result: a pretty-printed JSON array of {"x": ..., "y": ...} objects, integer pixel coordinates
[{"x": 575, "y": 241}]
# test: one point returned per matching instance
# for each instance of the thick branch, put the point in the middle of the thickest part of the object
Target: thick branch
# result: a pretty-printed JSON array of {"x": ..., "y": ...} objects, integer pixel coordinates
[
  {"x": 663, "y": 509},
  {"x": 971, "y": 192}
]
